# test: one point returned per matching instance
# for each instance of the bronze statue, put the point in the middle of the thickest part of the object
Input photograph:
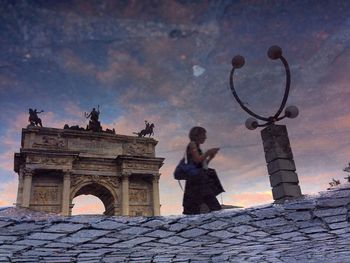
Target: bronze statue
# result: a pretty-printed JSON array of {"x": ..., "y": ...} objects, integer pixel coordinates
[
  {"x": 34, "y": 120},
  {"x": 148, "y": 130},
  {"x": 94, "y": 114},
  {"x": 94, "y": 124}
]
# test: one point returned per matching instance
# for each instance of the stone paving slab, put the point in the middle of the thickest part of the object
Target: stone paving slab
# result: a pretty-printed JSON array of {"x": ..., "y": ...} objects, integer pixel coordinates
[{"x": 308, "y": 229}]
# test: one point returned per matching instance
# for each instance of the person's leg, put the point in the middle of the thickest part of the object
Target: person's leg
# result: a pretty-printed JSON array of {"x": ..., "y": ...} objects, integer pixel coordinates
[
  {"x": 191, "y": 205},
  {"x": 192, "y": 209},
  {"x": 212, "y": 203}
]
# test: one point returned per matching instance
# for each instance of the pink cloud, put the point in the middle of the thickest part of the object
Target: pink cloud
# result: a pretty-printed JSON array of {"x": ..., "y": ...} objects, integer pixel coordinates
[
  {"x": 6, "y": 160},
  {"x": 74, "y": 63},
  {"x": 308, "y": 186},
  {"x": 8, "y": 192},
  {"x": 122, "y": 64},
  {"x": 247, "y": 199},
  {"x": 74, "y": 110}
]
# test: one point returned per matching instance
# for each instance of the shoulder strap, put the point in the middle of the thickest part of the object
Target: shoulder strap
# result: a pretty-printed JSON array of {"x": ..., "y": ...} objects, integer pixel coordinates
[
  {"x": 185, "y": 157},
  {"x": 180, "y": 185}
]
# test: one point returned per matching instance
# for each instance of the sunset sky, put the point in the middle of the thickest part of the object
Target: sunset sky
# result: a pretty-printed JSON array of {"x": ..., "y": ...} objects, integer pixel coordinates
[{"x": 168, "y": 62}]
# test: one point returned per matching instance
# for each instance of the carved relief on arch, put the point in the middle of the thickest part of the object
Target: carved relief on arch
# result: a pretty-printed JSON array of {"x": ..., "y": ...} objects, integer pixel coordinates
[
  {"x": 137, "y": 148},
  {"x": 48, "y": 160},
  {"x": 50, "y": 142},
  {"x": 109, "y": 182},
  {"x": 140, "y": 166}
]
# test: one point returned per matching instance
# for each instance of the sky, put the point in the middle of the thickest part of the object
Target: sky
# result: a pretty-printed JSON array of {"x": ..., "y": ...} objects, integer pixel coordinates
[{"x": 168, "y": 62}]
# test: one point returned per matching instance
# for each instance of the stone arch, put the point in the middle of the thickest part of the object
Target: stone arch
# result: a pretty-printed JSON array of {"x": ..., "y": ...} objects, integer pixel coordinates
[{"x": 103, "y": 191}]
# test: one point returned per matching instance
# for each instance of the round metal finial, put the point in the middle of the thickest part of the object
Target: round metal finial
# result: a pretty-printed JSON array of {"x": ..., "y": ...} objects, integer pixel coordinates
[
  {"x": 238, "y": 61},
  {"x": 274, "y": 52},
  {"x": 251, "y": 123},
  {"x": 291, "y": 112}
]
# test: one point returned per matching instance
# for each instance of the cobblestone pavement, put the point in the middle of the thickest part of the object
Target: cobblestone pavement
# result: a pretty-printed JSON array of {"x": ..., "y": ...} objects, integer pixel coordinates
[{"x": 311, "y": 229}]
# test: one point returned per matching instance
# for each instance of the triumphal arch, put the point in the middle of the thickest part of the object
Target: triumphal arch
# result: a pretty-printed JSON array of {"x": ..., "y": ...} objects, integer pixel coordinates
[{"x": 56, "y": 165}]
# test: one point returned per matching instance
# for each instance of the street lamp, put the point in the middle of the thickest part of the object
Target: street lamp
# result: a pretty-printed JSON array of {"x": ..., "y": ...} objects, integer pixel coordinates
[{"x": 278, "y": 153}]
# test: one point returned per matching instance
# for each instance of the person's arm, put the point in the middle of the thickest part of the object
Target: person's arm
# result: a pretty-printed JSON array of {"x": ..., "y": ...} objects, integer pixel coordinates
[
  {"x": 215, "y": 151},
  {"x": 199, "y": 158}
]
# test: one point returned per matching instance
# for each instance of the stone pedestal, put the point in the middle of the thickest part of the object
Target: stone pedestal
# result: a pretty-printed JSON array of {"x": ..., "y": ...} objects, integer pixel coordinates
[{"x": 280, "y": 164}]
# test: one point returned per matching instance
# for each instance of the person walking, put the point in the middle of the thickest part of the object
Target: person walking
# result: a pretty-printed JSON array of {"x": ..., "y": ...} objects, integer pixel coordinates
[{"x": 199, "y": 190}]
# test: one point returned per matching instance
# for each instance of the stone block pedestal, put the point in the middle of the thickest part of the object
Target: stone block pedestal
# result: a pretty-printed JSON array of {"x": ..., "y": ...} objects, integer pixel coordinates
[{"x": 280, "y": 164}]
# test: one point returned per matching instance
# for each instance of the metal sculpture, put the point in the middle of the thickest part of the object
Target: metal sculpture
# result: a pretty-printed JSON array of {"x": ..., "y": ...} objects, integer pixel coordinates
[
  {"x": 33, "y": 119},
  {"x": 274, "y": 52},
  {"x": 147, "y": 130},
  {"x": 94, "y": 124},
  {"x": 278, "y": 154}
]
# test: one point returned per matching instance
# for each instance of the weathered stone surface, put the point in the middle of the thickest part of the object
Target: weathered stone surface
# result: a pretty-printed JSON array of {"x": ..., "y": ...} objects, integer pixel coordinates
[
  {"x": 221, "y": 233},
  {"x": 269, "y": 212},
  {"x": 175, "y": 240},
  {"x": 271, "y": 222},
  {"x": 216, "y": 225},
  {"x": 280, "y": 164},
  {"x": 301, "y": 205},
  {"x": 133, "y": 242},
  {"x": 108, "y": 225},
  {"x": 135, "y": 231},
  {"x": 299, "y": 216},
  {"x": 160, "y": 233},
  {"x": 45, "y": 236},
  {"x": 283, "y": 177},
  {"x": 64, "y": 227},
  {"x": 332, "y": 202},
  {"x": 335, "y": 219},
  {"x": 193, "y": 233},
  {"x": 286, "y": 190},
  {"x": 330, "y": 212},
  {"x": 297, "y": 231}
]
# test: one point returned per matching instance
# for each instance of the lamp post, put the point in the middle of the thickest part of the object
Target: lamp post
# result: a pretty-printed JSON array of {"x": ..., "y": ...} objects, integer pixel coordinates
[{"x": 278, "y": 153}]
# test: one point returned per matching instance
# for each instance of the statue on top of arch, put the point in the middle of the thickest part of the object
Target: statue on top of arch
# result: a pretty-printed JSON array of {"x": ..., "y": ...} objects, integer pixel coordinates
[
  {"x": 94, "y": 124},
  {"x": 147, "y": 130},
  {"x": 33, "y": 119}
]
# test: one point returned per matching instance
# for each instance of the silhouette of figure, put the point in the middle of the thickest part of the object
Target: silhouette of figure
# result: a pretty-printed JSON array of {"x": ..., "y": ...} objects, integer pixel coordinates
[
  {"x": 148, "y": 130},
  {"x": 94, "y": 114},
  {"x": 34, "y": 120},
  {"x": 204, "y": 188},
  {"x": 94, "y": 124}
]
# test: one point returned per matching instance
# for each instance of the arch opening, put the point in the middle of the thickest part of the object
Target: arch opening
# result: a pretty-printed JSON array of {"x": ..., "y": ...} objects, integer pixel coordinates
[
  {"x": 87, "y": 205},
  {"x": 94, "y": 197}
]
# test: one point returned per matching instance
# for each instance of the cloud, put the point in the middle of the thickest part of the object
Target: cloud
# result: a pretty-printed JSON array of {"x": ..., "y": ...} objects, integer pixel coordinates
[
  {"x": 8, "y": 193},
  {"x": 121, "y": 65},
  {"x": 72, "y": 62},
  {"x": 73, "y": 109},
  {"x": 247, "y": 199}
]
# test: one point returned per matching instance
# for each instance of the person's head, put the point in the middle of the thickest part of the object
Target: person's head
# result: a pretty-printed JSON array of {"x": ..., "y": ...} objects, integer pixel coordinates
[{"x": 198, "y": 134}]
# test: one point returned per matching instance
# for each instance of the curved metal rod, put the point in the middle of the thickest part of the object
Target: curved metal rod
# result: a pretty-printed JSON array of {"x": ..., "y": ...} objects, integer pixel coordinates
[
  {"x": 286, "y": 92},
  {"x": 241, "y": 103}
]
